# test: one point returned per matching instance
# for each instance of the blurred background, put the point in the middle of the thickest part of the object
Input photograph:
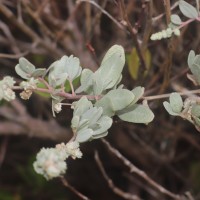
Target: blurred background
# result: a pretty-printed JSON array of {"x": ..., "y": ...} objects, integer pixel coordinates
[{"x": 167, "y": 150}]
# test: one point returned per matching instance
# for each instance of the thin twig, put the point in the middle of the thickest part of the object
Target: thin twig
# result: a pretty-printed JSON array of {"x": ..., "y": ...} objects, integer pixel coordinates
[
  {"x": 154, "y": 19},
  {"x": 139, "y": 172},
  {"x": 74, "y": 190},
  {"x": 103, "y": 11},
  {"x": 111, "y": 185},
  {"x": 162, "y": 96},
  {"x": 13, "y": 56},
  {"x": 133, "y": 33}
]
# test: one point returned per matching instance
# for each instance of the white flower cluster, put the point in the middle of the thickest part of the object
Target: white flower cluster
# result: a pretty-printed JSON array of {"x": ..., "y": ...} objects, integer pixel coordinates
[
  {"x": 50, "y": 162},
  {"x": 6, "y": 91},
  {"x": 31, "y": 84},
  {"x": 28, "y": 87},
  {"x": 73, "y": 150},
  {"x": 165, "y": 34}
]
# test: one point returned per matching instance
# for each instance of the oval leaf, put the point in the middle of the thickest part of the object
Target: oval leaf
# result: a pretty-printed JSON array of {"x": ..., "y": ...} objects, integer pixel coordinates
[
  {"x": 137, "y": 114},
  {"x": 191, "y": 58},
  {"x": 84, "y": 135},
  {"x": 168, "y": 108},
  {"x": 196, "y": 110},
  {"x": 120, "y": 98},
  {"x": 112, "y": 66},
  {"x": 176, "y": 102},
  {"x": 138, "y": 92},
  {"x": 187, "y": 9},
  {"x": 38, "y": 72},
  {"x": 175, "y": 19}
]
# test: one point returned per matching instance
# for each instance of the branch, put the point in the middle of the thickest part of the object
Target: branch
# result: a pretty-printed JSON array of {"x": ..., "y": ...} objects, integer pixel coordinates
[
  {"x": 74, "y": 190},
  {"x": 21, "y": 123},
  {"x": 139, "y": 172},
  {"x": 110, "y": 183},
  {"x": 133, "y": 33}
]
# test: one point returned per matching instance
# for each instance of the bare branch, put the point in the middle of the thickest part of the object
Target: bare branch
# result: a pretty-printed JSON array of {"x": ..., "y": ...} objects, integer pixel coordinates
[
  {"x": 111, "y": 185},
  {"x": 74, "y": 190},
  {"x": 139, "y": 172}
]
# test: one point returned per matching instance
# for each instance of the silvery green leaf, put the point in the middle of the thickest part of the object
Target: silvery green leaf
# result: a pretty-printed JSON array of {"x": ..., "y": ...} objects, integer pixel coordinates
[
  {"x": 173, "y": 26},
  {"x": 136, "y": 114},
  {"x": 95, "y": 116},
  {"x": 168, "y": 108},
  {"x": 195, "y": 68},
  {"x": 107, "y": 106},
  {"x": 100, "y": 135},
  {"x": 104, "y": 123},
  {"x": 197, "y": 121},
  {"x": 176, "y": 102},
  {"x": 191, "y": 58},
  {"x": 119, "y": 80},
  {"x": 138, "y": 93},
  {"x": 57, "y": 79},
  {"x": 175, "y": 19},
  {"x": 97, "y": 83},
  {"x": 112, "y": 66},
  {"x": 26, "y": 66},
  {"x": 38, "y": 72},
  {"x": 84, "y": 135},
  {"x": 67, "y": 68},
  {"x": 120, "y": 86},
  {"x": 75, "y": 122},
  {"x": 21, "y": 73},
  {"x": 24, "y": 69},
  {"x": 73, "y": 67},
  {"x": 81, "y": 106},
  {"x": 92, "y": 115},
  {"x": 85, "y": 80},
  {"x": 187, "y": 9},
  {"x": 83, "y": 124},
  {"x": 196, "y": 110},
  {"x": 120, "y": 98}
]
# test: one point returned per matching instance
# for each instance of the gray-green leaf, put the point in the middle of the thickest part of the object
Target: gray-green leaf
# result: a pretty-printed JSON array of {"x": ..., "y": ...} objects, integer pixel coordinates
[
  {"x": 176, "y": 102},
  {"x": 175, "y": 19},
  {"x": 187, "y": 9},
  {"x": 84, "y": 135},
  {"x": 168, "y": 108},
  {"x": 38, "y": 72},
  {"x": 112, "y": 66},
  {"x": 196, "y": 110},
  {"x": 24, "y": 69},
  {"x": 120, "y": 98},
  {"x": 191, "y": 58},
  {"x": 195, "y": 67},
  {"x": 107, "y": 106},
  {"x": 137, "y": 114},
  {"x": 138, "y": 92},
  {"x": 86, "y": 81}
]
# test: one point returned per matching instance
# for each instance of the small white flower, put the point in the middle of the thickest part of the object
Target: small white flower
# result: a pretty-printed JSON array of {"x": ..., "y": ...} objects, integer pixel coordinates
[
  {"x": 50, "y": 162},
  {"x": 6, "y": 91},
  {"x": 72, "y": 149},
  {"x": 26, "y": 94},
  {"x": 57, "y": 107},
  {"x": 31, "y": 84},
  {"x": 169, "y": 32},
  {"x": 177, "y": 32}
]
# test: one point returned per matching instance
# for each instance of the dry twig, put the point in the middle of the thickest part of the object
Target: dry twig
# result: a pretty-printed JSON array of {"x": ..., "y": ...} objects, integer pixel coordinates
[
  {"x": 139, "y": 172},
  {"x": 111, "y": 185}
]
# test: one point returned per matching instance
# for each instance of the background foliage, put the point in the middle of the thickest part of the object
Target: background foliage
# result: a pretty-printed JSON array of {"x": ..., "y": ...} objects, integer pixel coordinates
[{"x": 167, "y": 149}]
